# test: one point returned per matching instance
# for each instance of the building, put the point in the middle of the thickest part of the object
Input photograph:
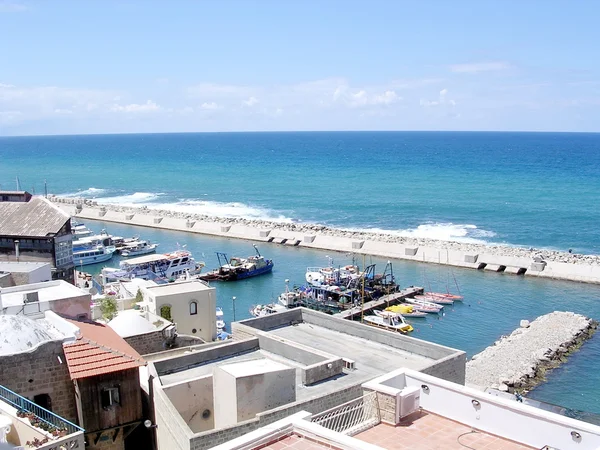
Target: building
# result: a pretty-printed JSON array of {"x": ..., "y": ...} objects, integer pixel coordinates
[
  {"x": 191, "y": 305},
  {"x": 105, "y": 375},
  {"x": 33, "y": 229},
  {"x": 33, "y": 300},
  {"x": 79, "y": 370},
  {"x": 405, "y": 409},
  {"x": 18, "y": 273},
  {"x": 275, "y": 366}
]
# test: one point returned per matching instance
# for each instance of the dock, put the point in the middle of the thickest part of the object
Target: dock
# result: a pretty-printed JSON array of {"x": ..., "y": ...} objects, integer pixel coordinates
[{"x": 381, "y": 302}]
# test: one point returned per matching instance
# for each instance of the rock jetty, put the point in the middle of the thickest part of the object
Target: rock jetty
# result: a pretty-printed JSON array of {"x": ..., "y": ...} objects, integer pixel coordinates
[
  {"x": 314, "y": 229},
  {"x": 518, "y": 362}
]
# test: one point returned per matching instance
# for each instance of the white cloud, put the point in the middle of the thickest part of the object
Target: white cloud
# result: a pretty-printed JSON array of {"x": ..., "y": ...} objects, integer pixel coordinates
[
  {"x": 209, "y": 106},
  {"x": 441, "y": 100},
  {"x": 63, "y": 111},
  {"x": 491, "y": 66},
  {"x": 250, "y": 102},
  {"x": 7, "y": 6},
  {"x": 149, "y": 106}
]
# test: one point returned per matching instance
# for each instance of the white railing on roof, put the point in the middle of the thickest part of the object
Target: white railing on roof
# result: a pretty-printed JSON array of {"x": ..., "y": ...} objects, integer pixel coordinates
[{"x": 352, "y": 417}]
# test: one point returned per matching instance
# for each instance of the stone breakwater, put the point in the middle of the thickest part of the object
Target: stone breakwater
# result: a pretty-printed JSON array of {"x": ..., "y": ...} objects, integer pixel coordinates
[
  {"x": 518, "y": 362},
  {"x": 312, "y": 229}
]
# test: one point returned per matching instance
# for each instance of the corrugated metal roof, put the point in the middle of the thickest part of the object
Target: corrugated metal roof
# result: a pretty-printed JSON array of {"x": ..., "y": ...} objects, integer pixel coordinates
[
  {"x": 36, "y": 218},
  {"x": 99, "y": 350}
]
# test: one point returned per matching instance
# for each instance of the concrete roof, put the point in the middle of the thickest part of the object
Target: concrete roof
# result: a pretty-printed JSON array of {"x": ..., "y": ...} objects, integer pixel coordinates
[
  {"x": 130, "y": 323},
  {"x": 47, "y": 291},
  {"x": 253, "y": 367},
  {"x": 22, "y": 267},
  {"x": 183, "y": 287},
  {"x": 20, "y": 333},
  {"x": 36, "y": 218}
]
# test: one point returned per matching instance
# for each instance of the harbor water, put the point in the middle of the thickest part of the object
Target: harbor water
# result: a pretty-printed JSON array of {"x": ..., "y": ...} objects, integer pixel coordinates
[{"x": 526, "y": 189}]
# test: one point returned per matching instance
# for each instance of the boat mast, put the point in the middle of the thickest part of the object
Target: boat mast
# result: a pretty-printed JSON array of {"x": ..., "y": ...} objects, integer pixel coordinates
[{"x": 256, "y": 248}]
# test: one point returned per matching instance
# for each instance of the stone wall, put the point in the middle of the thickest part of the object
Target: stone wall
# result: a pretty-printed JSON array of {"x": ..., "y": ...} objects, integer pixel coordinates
[
  {"x": 154, "y": 342},
  {"x": 41, "y": 372}
]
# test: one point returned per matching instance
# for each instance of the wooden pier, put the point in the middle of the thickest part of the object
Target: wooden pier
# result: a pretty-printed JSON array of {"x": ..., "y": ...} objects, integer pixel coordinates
[{"x": 380, "y": 303}]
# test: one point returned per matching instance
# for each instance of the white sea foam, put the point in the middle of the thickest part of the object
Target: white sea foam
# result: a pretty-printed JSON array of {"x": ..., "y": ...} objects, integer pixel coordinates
[
  {"x": 87, "y": 193},
  {"x": 135, "y": 199},
  {"x": 458, "y": 232}
]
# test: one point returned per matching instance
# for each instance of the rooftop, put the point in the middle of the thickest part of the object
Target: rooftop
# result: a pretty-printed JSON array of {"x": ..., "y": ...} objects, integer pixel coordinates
[
  {"x": 426, "y": 431},
  {"x": 99, "y": 350},
  {"x": 47, "y": 291},
  {"x": 183, "y": 287},
  {"x": 21, "y": 267},
  {"x": 36, "y": 218},
  {"x": 20, "y": 333},
  {"x": 131, "y": 322}
]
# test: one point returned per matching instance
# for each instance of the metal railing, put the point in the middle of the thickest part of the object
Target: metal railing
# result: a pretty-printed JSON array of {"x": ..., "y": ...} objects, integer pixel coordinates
[
  {"x": 352, "y": 417},
  {"x": 23, "y": 404}
]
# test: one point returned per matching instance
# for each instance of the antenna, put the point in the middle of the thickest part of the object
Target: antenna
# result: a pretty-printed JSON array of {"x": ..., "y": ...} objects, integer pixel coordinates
[
  {"x": 45, "y": 189},
  {"x": 18, "y": 184}
]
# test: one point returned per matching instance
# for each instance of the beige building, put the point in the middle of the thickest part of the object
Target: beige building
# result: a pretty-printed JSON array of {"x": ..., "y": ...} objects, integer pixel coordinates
[{"x": 191, "y": 305}]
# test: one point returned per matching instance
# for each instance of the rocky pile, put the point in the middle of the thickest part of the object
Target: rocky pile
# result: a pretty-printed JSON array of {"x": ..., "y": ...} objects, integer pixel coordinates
[
  {"x": 311, "y": 229},
  {"x": 517, "y": 362}
]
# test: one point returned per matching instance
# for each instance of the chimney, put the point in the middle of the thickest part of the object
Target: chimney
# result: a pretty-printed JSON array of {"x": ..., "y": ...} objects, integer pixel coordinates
[{"x": 17, "y": 249}]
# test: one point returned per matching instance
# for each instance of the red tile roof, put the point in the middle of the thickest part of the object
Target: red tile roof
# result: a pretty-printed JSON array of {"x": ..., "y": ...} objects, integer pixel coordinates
[{"x": 99, "y": 350}]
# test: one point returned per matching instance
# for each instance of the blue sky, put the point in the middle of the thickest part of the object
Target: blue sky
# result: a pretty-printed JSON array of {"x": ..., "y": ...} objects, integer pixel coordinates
[{"x": 70, "y": 67}]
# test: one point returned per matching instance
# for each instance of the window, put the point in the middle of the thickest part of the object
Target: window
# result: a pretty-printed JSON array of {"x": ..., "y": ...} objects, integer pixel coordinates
[
  {"x": 43, "y": 400},
  {"x": 193, "y": 308},
  {"x": 110, "y": 397}
]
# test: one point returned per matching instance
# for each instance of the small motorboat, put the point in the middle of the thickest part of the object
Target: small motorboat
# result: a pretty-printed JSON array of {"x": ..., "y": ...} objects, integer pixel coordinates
[
  {"x": 265, "y": 310},
  {"x": 424, "y": 306},
  {"x": 389, "y": 320},
  {"x": 138, "y": 249},
  {"x": 433, "y": 299},
  {"x": 406, "y": 310}
]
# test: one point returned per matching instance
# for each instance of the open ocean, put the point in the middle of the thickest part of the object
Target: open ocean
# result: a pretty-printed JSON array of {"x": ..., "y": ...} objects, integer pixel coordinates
[{"x": 524, "y": 189}]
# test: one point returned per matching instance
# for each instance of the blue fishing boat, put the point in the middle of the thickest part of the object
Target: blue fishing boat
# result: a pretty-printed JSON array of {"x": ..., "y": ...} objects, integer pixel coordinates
[{"x": 238, "y": 268}]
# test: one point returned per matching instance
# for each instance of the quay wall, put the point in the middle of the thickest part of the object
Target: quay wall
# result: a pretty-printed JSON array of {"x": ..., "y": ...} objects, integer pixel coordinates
[
  {"x": 513, "y": 260},
  {"x": 518, "y": 362}
]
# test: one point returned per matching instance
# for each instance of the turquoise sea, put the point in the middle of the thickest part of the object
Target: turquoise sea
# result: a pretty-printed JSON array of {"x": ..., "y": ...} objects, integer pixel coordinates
[{"x": 524, "y": 189}]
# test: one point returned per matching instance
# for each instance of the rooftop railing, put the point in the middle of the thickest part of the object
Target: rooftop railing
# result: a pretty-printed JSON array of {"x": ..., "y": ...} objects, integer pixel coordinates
[
  {"x": 27, "y": 406},
  {"x": 351, "y": 417}
]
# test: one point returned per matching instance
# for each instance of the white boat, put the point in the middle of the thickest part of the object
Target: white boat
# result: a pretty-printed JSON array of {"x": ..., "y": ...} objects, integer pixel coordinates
[
  {"x": 433, "y": 299},
  {"x": 445, "y": 295},
  {"x": 389, "y": 320},
  {"x": 319, "y": 276},
  {"x": 424, "y": 306},
  {"x": 220, "y": 322},
  {"x": 138, "y": 249},
  {"x": 162, "y": 265},
  {"x": 265, "y": 310},
  {"x": 92, "y": 255}
]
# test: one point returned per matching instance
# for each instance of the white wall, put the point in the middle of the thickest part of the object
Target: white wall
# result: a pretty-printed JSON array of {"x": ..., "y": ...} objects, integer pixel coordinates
[
  {"x": 192, "y": 398},
  {"x": 204, "y": 322}
]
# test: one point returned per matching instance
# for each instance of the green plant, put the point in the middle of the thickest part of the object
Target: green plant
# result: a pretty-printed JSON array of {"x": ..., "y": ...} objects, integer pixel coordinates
[
  {"x": 108, "y": 306},
  {"x": 138, "y": 296},
  {"x": 165, "y": 312}
]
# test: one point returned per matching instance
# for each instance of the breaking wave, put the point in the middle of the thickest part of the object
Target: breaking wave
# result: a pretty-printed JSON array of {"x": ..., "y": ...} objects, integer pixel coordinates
[
  {"x": 458, "y": 232},
  {"x": 87, "y": 193},
  {"x": 135, "y": 199}
]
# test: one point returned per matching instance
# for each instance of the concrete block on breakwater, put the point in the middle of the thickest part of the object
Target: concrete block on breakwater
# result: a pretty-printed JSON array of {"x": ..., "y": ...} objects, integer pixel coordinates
[
  {"x": 510, "y": 260},
  {"x": 517, "y": 362}
]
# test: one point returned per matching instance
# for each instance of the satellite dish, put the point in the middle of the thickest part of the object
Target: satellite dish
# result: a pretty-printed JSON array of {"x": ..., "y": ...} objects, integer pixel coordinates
[{"x": 93, "y": 291}]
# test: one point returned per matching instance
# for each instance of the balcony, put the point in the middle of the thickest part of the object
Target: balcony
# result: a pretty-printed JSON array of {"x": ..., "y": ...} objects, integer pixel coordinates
[{"x": 23, "y": 424}]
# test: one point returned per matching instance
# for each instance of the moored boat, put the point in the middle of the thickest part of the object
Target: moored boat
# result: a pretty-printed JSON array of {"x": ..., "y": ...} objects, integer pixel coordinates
[
  {"x": 265, "y": 310},
  {"x": 220, "y": 322},
  {"x": 433, "y": 299},
  {"x": 138, "y": 249},
  {"x": 406, "y": 310},
  {"x": 238, "y": 268},
  {"x": 445, "y": 295},
  {"x": 424, "y": 306},
  {"x": 389, "y": 320},
  {"x": 83, "y": 256}
]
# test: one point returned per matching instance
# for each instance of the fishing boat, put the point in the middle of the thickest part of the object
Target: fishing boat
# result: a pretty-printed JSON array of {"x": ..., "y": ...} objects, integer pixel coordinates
[
  {"x": 83, "y": 256},
  {"x": 433, "y": 299},
  {"x": 220, "y": 322},
  {"x": 319, "y": 276},
  {"x": 265, "y": 310},
  {"x": 389, "y": 320},
  {"x": 165, "y": 266},
  {"x": 238, "y": 268},
  {"x": 138, "y": 249},
  {"x": 424, "y": 306},
  {"x": 406, "y": 310}
]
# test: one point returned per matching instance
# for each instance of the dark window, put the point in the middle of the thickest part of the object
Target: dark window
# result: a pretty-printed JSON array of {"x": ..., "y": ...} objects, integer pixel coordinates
[
  {"x": 110, "y": 397},
  {"x": 193, "y": 308},
  {"x": 43, "y": 400}
]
